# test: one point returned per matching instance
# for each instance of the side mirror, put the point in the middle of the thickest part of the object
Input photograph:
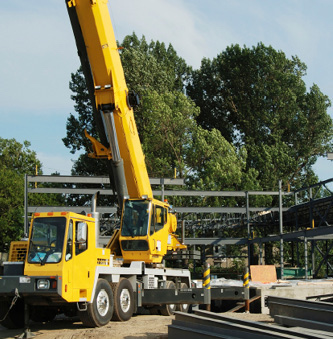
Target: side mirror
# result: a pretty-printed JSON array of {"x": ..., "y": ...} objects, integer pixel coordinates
[{"x": 82, "y": 230}]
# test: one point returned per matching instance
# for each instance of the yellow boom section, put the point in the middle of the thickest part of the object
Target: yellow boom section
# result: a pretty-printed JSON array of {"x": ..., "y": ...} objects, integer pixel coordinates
[{"x": 111, "y": 89}]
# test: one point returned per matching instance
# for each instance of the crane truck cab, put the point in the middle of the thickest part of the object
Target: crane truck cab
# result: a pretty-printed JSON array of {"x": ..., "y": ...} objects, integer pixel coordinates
[{"x": 66, "y": 270}]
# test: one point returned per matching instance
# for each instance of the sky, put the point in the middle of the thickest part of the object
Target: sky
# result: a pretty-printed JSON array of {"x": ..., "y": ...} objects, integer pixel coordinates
[{"x": 38, "y": 54}]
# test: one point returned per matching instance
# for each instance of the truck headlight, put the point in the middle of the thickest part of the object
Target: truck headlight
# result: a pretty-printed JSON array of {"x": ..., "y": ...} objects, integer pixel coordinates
[{"x": 43, "y": 284}]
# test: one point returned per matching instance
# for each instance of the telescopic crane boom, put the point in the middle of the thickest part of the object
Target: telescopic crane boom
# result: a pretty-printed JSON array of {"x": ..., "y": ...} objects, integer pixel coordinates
[{"x": 147, "y": 225}]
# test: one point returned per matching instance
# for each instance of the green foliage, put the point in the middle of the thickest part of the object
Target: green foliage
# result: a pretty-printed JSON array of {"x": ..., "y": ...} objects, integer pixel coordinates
[
  {"x": 75, "y": 139},
  {"x": 213, "y": 162},
  {"x": 152, "y": 66},
  {"x": 167, "y": 131},
  {"x": 258, "y": 100},
  {"x": 16, "y": 159}
]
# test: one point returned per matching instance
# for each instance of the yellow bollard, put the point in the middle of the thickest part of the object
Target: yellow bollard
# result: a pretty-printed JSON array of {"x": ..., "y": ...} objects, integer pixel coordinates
[
  {"x": 246, "y": 285},
  {"x": 206, "y": 282}
]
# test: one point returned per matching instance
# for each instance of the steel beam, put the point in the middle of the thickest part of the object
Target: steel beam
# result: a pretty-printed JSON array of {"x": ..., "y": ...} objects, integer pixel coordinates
[
  {"x": 67, "y": 179},
  {"x": 253, "y": 324},
  {"x": 310, "y": 314},
  {"x": 76, "y": 209},
  {"x": 303, "y": 323},
  {"x": 216, "y": 241},
  {"x": 198, "y": 326},
  {"x": 313, "y": 233}
]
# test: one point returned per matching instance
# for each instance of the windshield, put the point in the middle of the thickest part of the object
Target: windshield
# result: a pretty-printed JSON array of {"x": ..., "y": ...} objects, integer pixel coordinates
[
  {"x": 47, "y": 240},
  {"x": 135, "y": 218}
]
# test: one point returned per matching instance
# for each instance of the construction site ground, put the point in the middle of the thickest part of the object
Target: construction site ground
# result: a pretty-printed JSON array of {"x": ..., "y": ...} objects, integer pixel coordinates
[{"x": 138, "y": 327}]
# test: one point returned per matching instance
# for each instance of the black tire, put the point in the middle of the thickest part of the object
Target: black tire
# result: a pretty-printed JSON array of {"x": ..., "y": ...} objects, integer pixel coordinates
[
  {"x": 169, "y": 309},
  {"x": 15, "y": 317},
  {"x": 183, "y": 307},
  {"x": 42, "y": 314},
  {"x": 123, "y": 300},
  {"x": 100, "y": 311}
]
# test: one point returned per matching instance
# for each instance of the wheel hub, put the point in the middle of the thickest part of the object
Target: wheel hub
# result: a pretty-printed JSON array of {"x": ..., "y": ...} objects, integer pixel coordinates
[
  {"x": 125, "y": 300},
  {"x": 102, "y": 303}
]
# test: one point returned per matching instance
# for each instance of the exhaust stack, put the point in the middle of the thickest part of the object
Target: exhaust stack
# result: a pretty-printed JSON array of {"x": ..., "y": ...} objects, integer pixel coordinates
[{"x": 95, "y": 215}]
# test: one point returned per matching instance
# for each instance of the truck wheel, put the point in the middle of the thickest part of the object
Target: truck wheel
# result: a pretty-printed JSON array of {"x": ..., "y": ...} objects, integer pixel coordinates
[
  {"x": 100, "y": 311},
  {"x": 15, "y": 317},
  {"x": 183, "y": 307},
  {"x": 123, "y": 300},
  {"x": 171, "y": 308}
]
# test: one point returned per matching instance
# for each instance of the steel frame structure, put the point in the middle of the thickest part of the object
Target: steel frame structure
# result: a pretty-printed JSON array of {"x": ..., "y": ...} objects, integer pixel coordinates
[{"x": 308, "y": 222}]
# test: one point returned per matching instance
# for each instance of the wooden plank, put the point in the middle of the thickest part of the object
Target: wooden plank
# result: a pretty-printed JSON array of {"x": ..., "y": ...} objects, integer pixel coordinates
[{"x": 263, "y": 273}]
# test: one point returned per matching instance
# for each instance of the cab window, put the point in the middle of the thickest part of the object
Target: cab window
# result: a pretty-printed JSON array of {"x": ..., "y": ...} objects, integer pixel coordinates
[
  {"x": 69, "y": 243},
  {"x": 158, "y": 219},
  {"x": 135, "y": 218}
]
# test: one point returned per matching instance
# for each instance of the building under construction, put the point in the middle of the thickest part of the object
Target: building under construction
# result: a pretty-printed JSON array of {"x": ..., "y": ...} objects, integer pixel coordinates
[{"x": 295, "y": 233}]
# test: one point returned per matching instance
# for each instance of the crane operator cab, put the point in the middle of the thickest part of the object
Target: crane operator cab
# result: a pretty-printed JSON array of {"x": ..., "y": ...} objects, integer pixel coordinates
[{"x": 147, "y": 230}]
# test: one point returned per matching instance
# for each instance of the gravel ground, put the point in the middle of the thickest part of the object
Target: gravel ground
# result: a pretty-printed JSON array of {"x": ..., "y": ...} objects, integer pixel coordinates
[
  {"x": 138, "y": 327},
  {"x": 141, "y": 326}
]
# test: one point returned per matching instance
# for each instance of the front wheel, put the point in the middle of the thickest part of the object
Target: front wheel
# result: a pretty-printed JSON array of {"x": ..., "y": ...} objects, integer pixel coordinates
[
  {"x": 100, "y": 311},
  {"x": 123, "y": 300}
]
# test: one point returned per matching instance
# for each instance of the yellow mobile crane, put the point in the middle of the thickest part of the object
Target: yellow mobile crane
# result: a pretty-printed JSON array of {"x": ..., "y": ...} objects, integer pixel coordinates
[{"x": 65, "y": 268}]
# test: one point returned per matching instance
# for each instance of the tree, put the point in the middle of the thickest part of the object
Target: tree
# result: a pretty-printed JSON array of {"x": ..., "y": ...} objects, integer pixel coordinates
[
  {"x": 147, "y": 67},
  {"x": 258, "y": 100},
  {"x": 16, "y": 159},
  {"x": 172, "y": 139},
  {"x": 165, "y": 119}
]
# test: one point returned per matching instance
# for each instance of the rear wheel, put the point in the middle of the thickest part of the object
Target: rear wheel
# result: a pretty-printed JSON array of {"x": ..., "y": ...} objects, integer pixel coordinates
[
  {"x": 170, "y": 308},
  {"x": 100, "y": 311},
  {"x": 123, "y": 300},
  {"x": 183, "y": 307}
]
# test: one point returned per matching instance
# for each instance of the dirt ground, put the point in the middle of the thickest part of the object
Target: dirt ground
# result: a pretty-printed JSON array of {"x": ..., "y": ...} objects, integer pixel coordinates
[{"x": 138, "y": 327}]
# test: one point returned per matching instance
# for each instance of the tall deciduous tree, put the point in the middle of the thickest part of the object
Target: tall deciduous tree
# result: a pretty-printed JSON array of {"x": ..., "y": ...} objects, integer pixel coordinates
[
  {"x": 257, "y": 98},
  {"x": 148, "y": 67}
]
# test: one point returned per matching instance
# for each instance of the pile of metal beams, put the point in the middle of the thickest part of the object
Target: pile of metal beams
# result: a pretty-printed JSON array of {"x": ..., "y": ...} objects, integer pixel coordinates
[
  {"x": 316, "y": 315},
  {"x": 207, "y": 325}
]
